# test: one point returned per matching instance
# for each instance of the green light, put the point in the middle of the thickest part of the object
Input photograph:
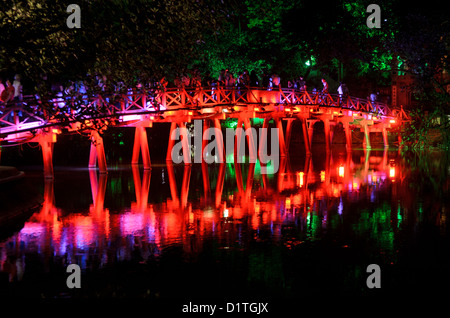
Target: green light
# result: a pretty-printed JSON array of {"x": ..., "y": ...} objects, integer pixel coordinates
[
  {"x": 311, "y": 62},
  {"x": 257, "y": 121},
  {"x": 377, "y": 226},
  {"x": 230, "y": 123},
  {"x": 399, "y": 215}
]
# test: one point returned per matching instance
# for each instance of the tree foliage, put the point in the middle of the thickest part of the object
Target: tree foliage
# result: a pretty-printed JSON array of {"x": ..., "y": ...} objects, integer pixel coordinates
[{"x": 125, "y": 40}]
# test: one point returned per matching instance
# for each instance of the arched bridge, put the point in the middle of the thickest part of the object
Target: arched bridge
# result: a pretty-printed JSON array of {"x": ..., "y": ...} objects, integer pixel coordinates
[{"x": 36, "y": 120}]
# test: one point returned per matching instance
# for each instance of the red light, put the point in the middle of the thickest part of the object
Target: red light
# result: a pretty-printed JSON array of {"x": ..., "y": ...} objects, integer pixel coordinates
[{"x": 392, "y": 172}]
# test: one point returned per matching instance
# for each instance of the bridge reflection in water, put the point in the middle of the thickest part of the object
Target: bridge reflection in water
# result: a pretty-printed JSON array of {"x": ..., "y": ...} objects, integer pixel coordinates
[{"x": 231, "y": 204}]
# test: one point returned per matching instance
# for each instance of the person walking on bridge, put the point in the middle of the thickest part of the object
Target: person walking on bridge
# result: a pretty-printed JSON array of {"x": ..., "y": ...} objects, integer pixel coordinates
[
  {"x": 8, "y": 92},
  {"x": 325, "y": 87},
  {"x": 324, "y": 90}
]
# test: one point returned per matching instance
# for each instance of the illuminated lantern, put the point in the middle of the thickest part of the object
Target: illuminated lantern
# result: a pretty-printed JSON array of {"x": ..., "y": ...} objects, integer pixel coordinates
[
  {"x": 288, "y": 203},
  {"x": 341, "y": 171},
  {"x": 392, "y": 172},
  {"x": 322, "y": 176},
  {"x": 392, "y": 169},
  {"x": 300, "y": 181}
]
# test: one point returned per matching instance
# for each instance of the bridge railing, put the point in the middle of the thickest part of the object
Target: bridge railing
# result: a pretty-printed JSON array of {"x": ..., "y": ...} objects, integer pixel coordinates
[{"x": 33, "y": 110}]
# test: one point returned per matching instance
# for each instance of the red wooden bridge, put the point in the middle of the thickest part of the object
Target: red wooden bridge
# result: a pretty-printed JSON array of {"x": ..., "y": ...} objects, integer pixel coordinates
[{"x": 32, "y": 120}]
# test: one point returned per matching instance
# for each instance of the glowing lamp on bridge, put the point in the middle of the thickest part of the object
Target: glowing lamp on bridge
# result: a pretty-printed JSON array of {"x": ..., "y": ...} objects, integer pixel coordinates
[
  {"x": 300, "y": 179},
  {"x": 392, "y": 171},
  {"x": 322, "y": 176},
  {"x": 392, "y": 121},
  {"x": 341, "y": 171},
  {"x": 288, "y": 203},
  {"x": 130, "y": 117}
]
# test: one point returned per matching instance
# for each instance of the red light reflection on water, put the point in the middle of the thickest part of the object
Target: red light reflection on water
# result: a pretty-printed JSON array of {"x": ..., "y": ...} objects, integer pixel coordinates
[{"x": 264, "y": 203}]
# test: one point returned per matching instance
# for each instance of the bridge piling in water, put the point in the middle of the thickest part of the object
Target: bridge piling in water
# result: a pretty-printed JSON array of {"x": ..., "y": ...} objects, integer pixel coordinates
[
  {"x": 141, "y": 146},
  {"x": 366, "y": 140},
  {"x": 180, "y": 127},
  {"x": 97, "y": 154},
  {"x": 348, "y": 134},
  {"x": 46, "y": 141},
  {"x": 306, "y": 138},
  {"x": 385, "y": 137}
]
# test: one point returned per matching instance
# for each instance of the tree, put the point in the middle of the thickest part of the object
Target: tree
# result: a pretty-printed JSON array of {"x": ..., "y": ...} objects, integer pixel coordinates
[
  {"x": 423, "y": 44},
  {"x": 125, "y": 40}
]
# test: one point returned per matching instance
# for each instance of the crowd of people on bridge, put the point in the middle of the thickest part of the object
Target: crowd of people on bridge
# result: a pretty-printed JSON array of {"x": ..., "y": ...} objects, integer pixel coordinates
[{"x": 10, "y": 91}]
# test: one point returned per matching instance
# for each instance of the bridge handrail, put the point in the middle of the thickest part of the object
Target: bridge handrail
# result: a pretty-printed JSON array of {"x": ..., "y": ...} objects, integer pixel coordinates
[{"x": 55, "y": 108}]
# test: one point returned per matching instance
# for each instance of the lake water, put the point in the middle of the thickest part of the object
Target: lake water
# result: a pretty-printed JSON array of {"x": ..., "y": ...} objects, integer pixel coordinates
[{"x": 226, "y": 230}]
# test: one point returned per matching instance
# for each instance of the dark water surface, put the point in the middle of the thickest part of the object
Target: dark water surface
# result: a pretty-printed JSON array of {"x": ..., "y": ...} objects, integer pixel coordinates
[{"x": 227, "y": 231}]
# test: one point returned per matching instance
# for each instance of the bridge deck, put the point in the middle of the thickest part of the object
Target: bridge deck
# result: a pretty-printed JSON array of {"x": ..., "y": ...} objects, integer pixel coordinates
[{"x": 138, "y": 107}]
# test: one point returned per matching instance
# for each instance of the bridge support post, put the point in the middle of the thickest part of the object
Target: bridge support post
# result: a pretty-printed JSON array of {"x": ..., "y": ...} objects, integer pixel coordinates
[
  {"x": 92, "y": 156},
  {"x": 141, "y": 145},
  {"x": 220, "y": 142},
  {"x": 326, "y": 123},
  {"x": 46, "y": 143},
  {"x": 184, "y": 142},
  {"x": 263, "y": 138},
  {"x": 348, "y": 135},
  {"x": 173, "y": 126},
  {"x": 290, "y": 121},
  {"x": 220, "y": 150},
  {"x": 310, "y": 125},
  {"x": 238, "y": 137},
  {"x": 250, "y": 139},
  {"x": 97, "y": 152},
  {"x": 281, "y": 137},
  {"x": 366, "y": 141},
  {"x": 306, "y": 138},
  {"x": 206, "y": 125},
  {"x": 385, "y": 137}
]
